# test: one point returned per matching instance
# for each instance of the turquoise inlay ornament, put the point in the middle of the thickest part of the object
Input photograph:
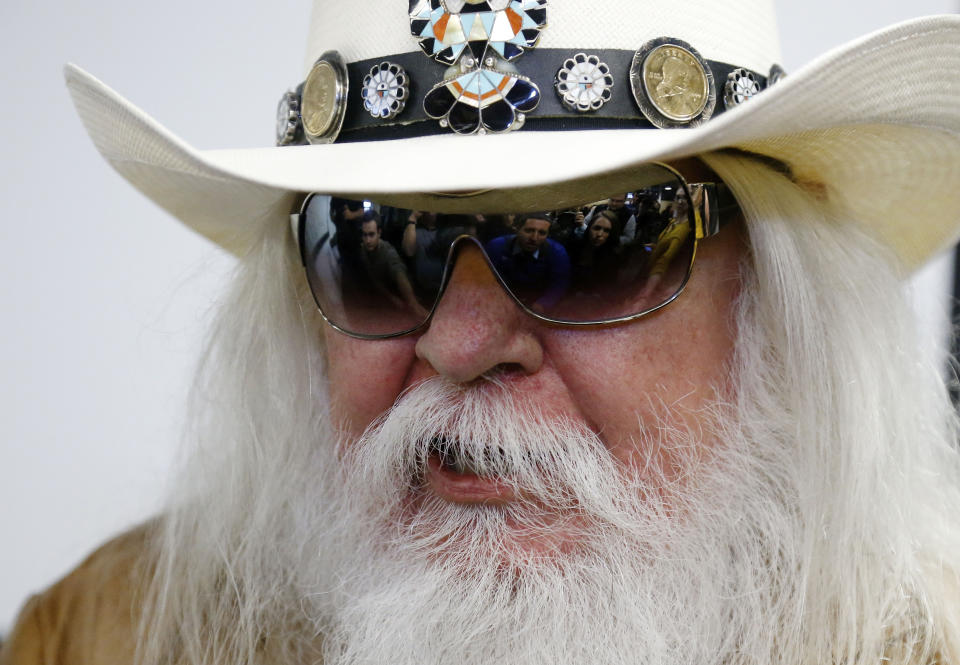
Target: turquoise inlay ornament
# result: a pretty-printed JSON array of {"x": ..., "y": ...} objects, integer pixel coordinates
[
  {"x": 482, "y": 101},
  {"x": 447, "y": 28},
  {"x": 480, "y": 36}
]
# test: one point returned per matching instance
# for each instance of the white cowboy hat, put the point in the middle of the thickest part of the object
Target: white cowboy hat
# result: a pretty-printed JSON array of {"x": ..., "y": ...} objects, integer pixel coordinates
[{"x": 877, "y": 120}]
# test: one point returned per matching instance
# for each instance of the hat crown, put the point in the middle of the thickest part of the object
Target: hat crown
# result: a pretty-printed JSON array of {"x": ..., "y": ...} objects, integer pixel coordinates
[{"x": 739, "y": 32}]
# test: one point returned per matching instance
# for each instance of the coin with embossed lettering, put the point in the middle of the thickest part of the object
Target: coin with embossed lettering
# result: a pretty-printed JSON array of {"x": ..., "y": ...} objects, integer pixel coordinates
[
  {"x": 675, "y": 82},
  {"x": 672, "y": 84},
  {"x": 324, "y": 100}
]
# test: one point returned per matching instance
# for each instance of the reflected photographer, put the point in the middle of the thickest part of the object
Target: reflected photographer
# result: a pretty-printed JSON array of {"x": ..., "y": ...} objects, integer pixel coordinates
[{"x": 533, "y": 265}]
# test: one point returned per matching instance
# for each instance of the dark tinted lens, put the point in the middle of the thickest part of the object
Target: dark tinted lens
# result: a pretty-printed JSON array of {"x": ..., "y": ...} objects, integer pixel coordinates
[
  {"x": 359, "y": 271},
  {"x": 374, "y": 273}
]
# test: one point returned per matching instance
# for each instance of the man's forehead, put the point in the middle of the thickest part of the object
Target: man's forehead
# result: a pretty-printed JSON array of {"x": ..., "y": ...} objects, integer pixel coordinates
[{"x": 535, "y": 221}]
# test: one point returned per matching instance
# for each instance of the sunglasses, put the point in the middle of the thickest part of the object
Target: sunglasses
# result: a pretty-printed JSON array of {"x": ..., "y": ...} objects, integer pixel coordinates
[{"x": 378, "y": 271}]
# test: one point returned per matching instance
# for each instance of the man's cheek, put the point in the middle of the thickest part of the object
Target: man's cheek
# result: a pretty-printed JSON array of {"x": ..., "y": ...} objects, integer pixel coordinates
[{"x": 366, "y": 377}]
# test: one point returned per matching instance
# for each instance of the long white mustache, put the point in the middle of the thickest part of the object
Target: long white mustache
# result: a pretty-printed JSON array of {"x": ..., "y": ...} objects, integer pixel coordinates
[{"x": 555, "y": 466}]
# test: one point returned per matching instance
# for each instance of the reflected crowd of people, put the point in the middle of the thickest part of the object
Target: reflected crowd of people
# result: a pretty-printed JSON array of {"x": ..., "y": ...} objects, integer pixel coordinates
[{"x": 601, "y": 258}]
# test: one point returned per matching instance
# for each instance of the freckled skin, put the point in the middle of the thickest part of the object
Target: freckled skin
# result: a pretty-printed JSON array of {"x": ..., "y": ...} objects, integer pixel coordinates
[{"x": 601, "y": 376}]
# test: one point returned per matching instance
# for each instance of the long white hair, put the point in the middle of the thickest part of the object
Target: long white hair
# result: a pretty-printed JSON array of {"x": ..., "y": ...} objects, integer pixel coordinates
[
  {"x": 832, "y": 509},
  {"x": 826, "y": 331}
]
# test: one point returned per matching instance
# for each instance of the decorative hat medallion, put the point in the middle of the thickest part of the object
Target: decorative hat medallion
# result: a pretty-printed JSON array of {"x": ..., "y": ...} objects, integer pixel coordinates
[
  {"x": 584, "y": 83},
  {"x": 776, "y": 75},
  {"x": 447, "y": 27},
  {"x": 741, "y": 85},
  {"x": 672, "y": 84},
  {"x": 482, "y": 100},
  {"x": 324, "y": 102},
  {"x": 385, "y": 90},
  {"x": 481, "y": 36},
  {"x": 289, "y": 128}
]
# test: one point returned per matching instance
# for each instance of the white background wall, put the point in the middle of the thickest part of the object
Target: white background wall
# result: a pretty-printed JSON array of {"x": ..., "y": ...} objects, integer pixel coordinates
[{"x": 104, "y": 297}]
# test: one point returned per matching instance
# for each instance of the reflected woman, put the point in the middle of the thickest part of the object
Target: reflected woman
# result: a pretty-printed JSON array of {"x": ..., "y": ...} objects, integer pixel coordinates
[
  {"x": 670, "y": 253},
  {"x": 594, "y": 254}
]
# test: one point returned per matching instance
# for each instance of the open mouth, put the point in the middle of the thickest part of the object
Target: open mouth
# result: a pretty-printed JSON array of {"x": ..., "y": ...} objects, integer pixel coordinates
[
  {"x": 492, "y": 461},
  {"x": 462, "y": 476}
]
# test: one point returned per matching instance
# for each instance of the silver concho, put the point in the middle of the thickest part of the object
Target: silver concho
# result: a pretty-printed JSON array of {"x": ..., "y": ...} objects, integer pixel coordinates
[
  {"x": 289, "y": 129},
  {"x": 741, "y": 86},
  {"x": 584, "y": 83},
  {"x": 385, "y": 90},
  {"x": 672, "y": 84},
  {"x": 324, "y": 101},
  {"x": 776, "y": 75}
]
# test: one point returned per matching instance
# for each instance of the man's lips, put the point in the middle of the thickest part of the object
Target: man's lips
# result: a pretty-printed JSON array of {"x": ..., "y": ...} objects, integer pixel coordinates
[{"x": 466, "y": 487}]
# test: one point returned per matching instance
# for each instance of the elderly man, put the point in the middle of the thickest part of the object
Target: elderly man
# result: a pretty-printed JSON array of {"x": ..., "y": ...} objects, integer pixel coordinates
[{"x": 731, "y": 456}]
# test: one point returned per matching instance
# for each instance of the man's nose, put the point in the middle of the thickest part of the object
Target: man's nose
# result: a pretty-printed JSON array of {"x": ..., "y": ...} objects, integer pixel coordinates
[{"x": 477, "y": 327}]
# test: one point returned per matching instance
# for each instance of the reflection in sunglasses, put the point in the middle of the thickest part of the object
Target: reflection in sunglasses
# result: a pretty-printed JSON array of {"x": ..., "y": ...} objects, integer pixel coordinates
[{"x": 378, "y": 271}]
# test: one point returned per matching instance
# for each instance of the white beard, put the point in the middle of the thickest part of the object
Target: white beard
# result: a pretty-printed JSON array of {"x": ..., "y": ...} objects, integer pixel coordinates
[
  {"x": 693, "y": 574},
  {"x": 820, "y": 526}
]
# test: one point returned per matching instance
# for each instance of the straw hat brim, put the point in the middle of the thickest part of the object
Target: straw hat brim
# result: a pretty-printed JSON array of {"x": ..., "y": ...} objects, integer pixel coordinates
[{"x": 877, "y": 120}]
